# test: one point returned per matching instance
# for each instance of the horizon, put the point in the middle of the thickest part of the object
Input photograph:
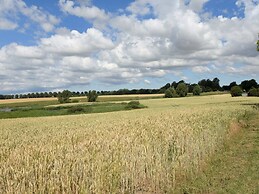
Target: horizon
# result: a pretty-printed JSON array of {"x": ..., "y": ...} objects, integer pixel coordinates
[{"x": 130, "y": 89}]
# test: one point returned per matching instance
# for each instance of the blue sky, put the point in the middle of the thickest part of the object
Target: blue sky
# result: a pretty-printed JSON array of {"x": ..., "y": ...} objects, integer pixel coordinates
[{"x": 105, "y": 45}]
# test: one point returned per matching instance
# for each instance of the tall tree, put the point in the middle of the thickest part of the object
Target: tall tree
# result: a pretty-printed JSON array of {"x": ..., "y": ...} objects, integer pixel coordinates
[
  {"x": 92, "y": 96},
  {"x": 215, "y": 84},
  {"x": 248, "y": 84},
  {"x": 64, "y": 97},
  {"x": 182, "y": 89}
]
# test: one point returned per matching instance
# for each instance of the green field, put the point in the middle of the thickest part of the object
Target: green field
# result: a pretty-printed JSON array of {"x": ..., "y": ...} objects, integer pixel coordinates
[
  {"x": 151, "y": 150},
  {"x": 62, "y": 109}
]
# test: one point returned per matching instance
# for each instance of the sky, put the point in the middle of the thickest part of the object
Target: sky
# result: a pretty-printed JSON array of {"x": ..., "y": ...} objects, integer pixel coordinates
[{"x": 82, "y": 45}]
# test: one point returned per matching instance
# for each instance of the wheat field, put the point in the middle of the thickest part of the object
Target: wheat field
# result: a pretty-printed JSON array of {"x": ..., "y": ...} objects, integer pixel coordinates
[{"x": 140, "y": 151}]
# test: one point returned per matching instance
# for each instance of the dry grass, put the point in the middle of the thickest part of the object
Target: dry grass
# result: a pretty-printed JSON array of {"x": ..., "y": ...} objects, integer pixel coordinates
[
  {"x": 114, "y": 97},
  {"x": 121, "y": 152},
  {"x": 10, "y": 101}
]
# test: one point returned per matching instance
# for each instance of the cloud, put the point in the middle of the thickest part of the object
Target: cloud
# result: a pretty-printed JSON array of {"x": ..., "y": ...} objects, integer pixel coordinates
[
  {"x": 197, "y": 5},
  {"x": 12, "y": 10},
  {"x": 84, "y": 10},
  {"x": 129, "y": 48},
  {"x": 147, "y": 82},
  {"x": 201, "y": 69},
  {"x": 7, "y": 25},
  {"x": 75, "y": 43}
]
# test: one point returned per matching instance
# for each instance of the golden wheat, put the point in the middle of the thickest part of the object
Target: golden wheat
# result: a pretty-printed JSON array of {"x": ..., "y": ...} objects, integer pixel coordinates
[{"x": 146, "y": 150}]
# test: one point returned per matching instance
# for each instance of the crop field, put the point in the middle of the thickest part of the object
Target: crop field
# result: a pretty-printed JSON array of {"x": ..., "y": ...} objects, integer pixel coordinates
[
  {"x": 104, "y": 98},
  {"x": 147, "y": 150}
]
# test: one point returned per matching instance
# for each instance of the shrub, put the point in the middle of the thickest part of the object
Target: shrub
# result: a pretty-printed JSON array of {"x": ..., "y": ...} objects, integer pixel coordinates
[
  {"x": 92, "y": 96},
  {"x": 171, "y": 93},
  {"x": 236, "y": 91},
  {"x": 182, "y": 89},
  {"x": 253, "y": 92},
  {"x": 134, "y": 105},
  {"x": 196, "y": 90},
  {"x": 75, "y": 101},
  {"x": 64, "y": 97}
]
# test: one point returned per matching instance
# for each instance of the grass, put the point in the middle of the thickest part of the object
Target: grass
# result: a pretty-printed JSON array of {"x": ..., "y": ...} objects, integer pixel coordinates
[
  {"x": 67, "y": 109},
  {"x": 150, "y": 150},
  {"x": 27, "y": 103},
  {"x": 234, "y": 169}
]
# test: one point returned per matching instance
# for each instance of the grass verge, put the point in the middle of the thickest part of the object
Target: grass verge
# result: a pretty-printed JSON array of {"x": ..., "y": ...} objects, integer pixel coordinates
[{"x": 235, "y": 168}]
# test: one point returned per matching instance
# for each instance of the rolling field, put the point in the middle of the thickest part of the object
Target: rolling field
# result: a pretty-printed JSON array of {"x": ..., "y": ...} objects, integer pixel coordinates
[{"x": 149, "y": 150}]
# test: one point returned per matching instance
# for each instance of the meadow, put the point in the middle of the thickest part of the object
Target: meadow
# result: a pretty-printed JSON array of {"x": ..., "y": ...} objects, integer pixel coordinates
[{"x": 151, "y": 150}]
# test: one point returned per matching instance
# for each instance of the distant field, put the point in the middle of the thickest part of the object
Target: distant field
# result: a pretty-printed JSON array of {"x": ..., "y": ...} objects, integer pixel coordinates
[
  {"x": 142, "y": 151},
  {"x": 22, "y": 100},
  {"x": 105, "y": 98}
]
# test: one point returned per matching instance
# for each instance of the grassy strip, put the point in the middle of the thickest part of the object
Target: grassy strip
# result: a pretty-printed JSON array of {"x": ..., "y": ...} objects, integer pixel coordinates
[
  {"x": 40, "y": 111},
  {"x": 235, "y": 168}
]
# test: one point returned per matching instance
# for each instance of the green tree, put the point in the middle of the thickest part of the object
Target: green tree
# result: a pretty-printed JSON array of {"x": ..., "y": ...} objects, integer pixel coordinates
[
  {"x": 64, "y": 97},
  {"x": 248, "y": 84},
  {"x": 168, "y": 93},
  {"x": 182, "y": 89},
  {"x": 215, "y": 84},
  {"x": 196, "y": 90},
  {"x": 236, "y": 91},
  {"x": 171, "y": 93},
  {"x": 253, "y": 92},
  {"x": 92, "y": 96}
]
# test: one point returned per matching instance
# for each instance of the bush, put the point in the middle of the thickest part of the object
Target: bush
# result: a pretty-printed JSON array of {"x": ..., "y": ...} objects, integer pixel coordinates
[
  {"x": 171, "y": 93},
  {"x": 134, "y": 105},
  {"x": 182, "y": 89},
  {"x": 253, "y": 92},
  {"x": 196, "y": 90},
  {"x": 75, "y": 101},
  {"x": 64, "y": 97},
  {"x": 92, "y": 96},
  {"x": 236, "y": 91}
]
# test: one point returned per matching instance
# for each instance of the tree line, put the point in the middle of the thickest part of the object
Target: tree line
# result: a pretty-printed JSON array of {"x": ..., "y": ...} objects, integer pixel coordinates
[{"x": 204, "y": 85}]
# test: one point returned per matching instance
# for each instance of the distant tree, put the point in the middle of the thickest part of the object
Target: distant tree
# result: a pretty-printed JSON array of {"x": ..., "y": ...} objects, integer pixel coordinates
[
  {"x": 64, "y": 97},
  {"x": 191, "y": 87},
  {"x": 206, "y": 85},
  {"x": 236, "y": 91},
  {"x": 248, "y": 84},
  {"x": 215, "y": 84},
  {"x": 232, "y": 84},
  {"x": 174, "y": 84},
  {"x": 164, "y": 88},
  {"x": 92, "y": 96},
  {"x": 197, "y": 90},
  {"x": 182, "y": 89},
  {"x": 253, "y": 92},
  {"x": 170, "y": 93},
  {"x": 228, "y": 87}
]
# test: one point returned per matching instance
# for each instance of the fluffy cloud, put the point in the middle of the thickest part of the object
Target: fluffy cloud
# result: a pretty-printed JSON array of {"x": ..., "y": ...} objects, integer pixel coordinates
[
  {"x": 127, "y": 48},
  {"x": 75, "y": 43},
  {"x": 197, "y": 5},
  {"x": 12, "y": 9},
  {"x": 84, "y": 10}
]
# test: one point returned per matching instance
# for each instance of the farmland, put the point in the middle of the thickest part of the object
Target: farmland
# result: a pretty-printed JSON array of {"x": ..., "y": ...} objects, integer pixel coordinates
[{"x": 148, "y": 150}]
